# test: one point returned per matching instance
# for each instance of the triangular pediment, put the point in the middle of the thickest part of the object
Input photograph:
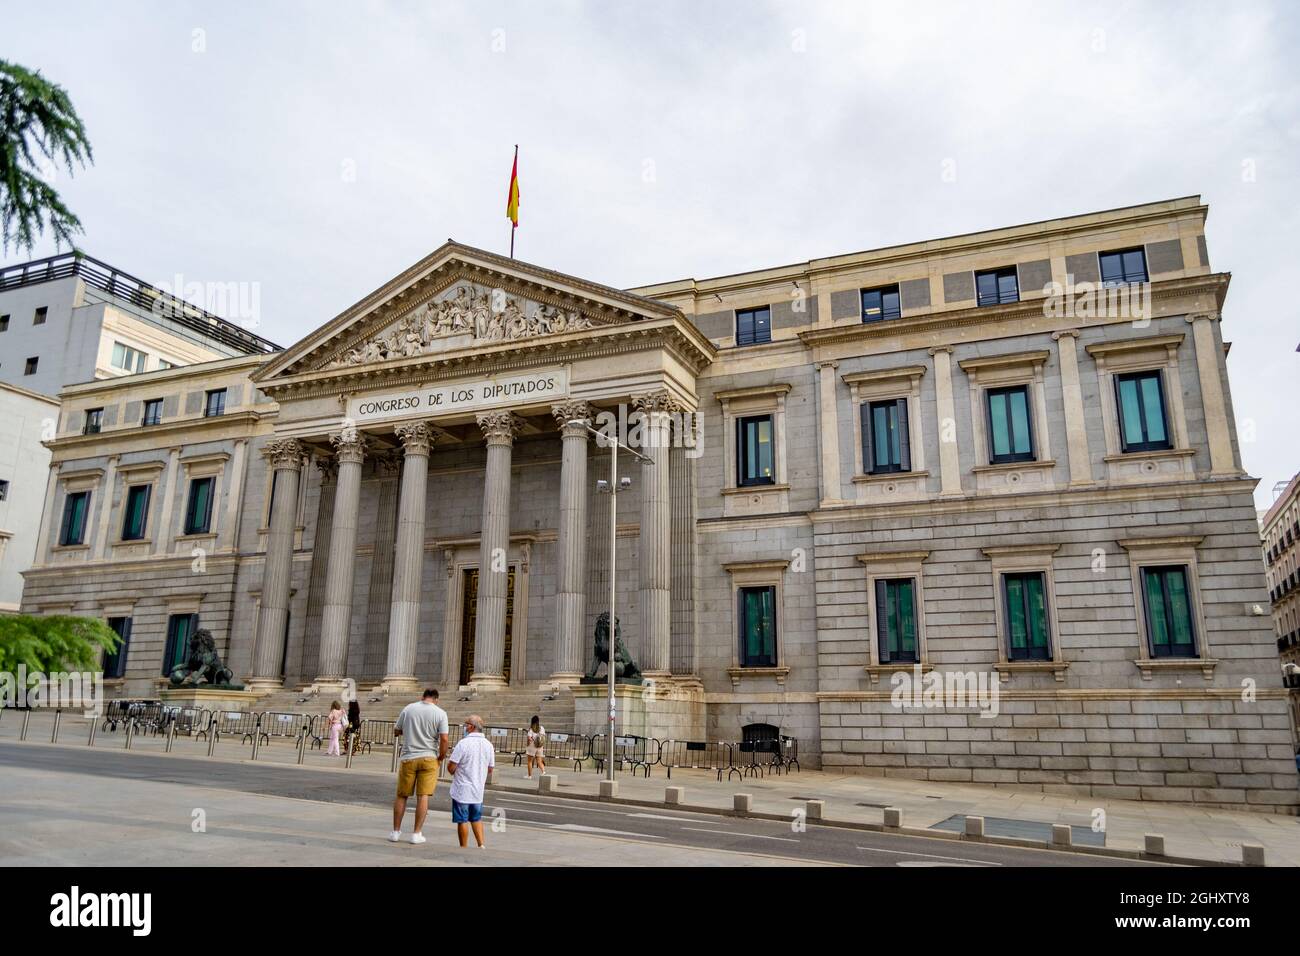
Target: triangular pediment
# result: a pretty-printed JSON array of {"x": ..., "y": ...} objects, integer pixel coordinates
[{"x": 456, "y": 299}]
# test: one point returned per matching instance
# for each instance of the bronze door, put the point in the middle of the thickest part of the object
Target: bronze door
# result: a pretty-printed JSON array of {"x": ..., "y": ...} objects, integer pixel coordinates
[{"x": 469, "y": 623}]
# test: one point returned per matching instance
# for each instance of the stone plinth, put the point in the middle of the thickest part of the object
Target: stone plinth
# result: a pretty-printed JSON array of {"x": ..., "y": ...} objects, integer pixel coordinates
[
  {"x": 661, "y": 709},
  {"x": 208, "y": 698}
]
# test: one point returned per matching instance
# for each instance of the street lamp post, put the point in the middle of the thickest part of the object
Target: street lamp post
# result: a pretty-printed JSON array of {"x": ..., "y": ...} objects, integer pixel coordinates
[{"x": 614, "y": 487}]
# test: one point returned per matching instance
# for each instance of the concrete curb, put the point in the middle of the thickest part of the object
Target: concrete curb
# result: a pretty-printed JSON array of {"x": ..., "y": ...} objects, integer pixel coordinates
[{"x": 732, "y": 811}]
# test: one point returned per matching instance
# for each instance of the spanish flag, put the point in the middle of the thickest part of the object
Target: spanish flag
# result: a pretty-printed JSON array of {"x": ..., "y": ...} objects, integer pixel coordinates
[{"x": 512, "y": 201}]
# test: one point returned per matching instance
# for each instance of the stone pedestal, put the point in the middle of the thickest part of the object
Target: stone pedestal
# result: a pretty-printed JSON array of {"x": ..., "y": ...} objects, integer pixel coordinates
[
  {"x": 663, "y": 710},
  {"x": 208, "y": 698}
]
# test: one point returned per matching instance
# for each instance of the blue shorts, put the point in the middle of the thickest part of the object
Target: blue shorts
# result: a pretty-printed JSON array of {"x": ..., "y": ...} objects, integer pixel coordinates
[{"x": 466, "y": 812}]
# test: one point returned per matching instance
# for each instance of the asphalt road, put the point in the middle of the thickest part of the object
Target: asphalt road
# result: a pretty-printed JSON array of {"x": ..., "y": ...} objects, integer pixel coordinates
[{"x": 661, "y": 828}]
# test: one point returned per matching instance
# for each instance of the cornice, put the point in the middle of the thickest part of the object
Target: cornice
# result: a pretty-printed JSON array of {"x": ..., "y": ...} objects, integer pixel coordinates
[{"x": 185, "y": 427}]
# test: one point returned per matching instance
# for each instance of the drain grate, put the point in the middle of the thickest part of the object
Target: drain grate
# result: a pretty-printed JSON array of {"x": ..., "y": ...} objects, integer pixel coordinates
[
  {"x": 803, "y": 798},
  {"x": 1022, "y": 829},
  {"x": 874, "y": 806}
]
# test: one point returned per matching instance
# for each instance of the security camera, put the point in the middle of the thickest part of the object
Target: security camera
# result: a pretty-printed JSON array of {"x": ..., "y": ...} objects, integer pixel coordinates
[{"x": 624, "y": 483}]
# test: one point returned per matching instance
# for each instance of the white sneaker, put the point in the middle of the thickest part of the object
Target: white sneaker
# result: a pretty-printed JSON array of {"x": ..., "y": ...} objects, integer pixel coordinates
[
  {"x": 417, "y": 838},
  {"x": 394, "y": 836}
]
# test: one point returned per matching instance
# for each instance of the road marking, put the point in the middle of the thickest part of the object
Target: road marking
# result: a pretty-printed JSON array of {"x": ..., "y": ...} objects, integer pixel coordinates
[
  {"x": 754, "y": 836},
  {"x": 581, "y": 828},
  {"x": 932, "y": 856},
  {"x": 655, "y": 816},
  {"x": 544, "y": 813}
]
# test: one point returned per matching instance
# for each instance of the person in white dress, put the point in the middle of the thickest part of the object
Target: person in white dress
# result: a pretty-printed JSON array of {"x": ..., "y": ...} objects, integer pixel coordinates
[{"x": 535, "y": 746}]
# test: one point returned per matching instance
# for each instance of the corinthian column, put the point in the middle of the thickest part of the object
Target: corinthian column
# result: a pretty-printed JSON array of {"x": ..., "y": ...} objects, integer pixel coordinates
[
  {"x": 336, "y": 619},
  {"x": 656, "y": 532},
  {"x": 285, "y": 456},
  {"x": 571, "y": 586},
  {"x": 408, "y": 557},
  {"x": 494, "y": 543}
]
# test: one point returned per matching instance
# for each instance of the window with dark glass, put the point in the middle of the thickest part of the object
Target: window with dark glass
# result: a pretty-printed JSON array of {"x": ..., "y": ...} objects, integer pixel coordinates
[
  {"x": 886, "y": 446},
  {"x": 136, "y": 513},
  {"x": 215, "y": 404},
  {"x": 115, "y": 660},
  {"x": 198, "y": 510},
  {"x": 30, "y": 367},
  {"x": 1123, "y": 267},
  {"x": 40, "y": 316},
  {"x": 4, "y": 489},
  {"x": 4, "y": 323},
  {"x": 1168, "y": 603},
  {"x": 73, "y": 529},
  {"x": 754, "y": 451},
  {"x": 758, "y": 626},
  {"x": 896, "y": 620},
  {"x": 1025, "y": 597},
  {"x": 881, "y": 304},
  {"x": 1010, "y": 435},
  {"x": 153, "y": 412},
  {"x": 753, "y": 326},
  {"x": 180, "y": 629},
  {"x": 94, "y": 421},
  {"x": 1142, "y": 419},
  {"x": 997, "y": 286}
]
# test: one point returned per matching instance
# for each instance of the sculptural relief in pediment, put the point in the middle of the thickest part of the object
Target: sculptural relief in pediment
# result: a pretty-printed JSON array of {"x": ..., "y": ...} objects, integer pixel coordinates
[{"x": 462, "y": 316}]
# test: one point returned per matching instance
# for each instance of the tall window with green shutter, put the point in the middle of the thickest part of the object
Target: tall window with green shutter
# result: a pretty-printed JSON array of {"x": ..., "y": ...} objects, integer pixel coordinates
[
  {"x": 135, "y": 515},
  {"x": 1010, "y": 431},
  {"x": 886, "y": 445},
  {"x": 757, "y": 613},
  {"x": 1168, "y": 603},
  {"x": 1028, "y": 636},
  {"x": 896, "y": 620},
  {"x": 115, "y": 661},
  {"x": 72, "y": 531},
  {"x": 198, "y": 510},
  {"x": 1142, "y": 419},
  {"x": 180, "y": 629}
]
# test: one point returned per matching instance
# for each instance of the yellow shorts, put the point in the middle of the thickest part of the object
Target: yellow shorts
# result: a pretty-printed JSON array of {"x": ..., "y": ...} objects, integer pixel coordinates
[{"x": 418, "y": 776}]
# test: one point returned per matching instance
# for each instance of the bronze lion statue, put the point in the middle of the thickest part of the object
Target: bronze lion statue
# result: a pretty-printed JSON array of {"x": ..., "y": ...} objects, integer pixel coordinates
[
  {"x": 625, "y": 669},
  {"x": 203, "y": 665}
]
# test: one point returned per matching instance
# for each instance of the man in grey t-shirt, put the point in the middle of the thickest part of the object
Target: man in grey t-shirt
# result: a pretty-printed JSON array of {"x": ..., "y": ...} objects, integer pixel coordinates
[{"x": 421, "y": 731}]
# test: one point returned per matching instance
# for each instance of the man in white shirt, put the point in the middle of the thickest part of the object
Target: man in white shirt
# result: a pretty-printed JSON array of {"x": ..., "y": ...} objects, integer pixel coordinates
[
  {"x": 421, "y": 730},
  {"x": 470, "y": 767}
]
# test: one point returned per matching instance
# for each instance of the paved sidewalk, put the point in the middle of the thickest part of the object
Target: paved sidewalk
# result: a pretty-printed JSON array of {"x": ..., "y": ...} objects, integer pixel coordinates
[{"x": 1188, "y": 831}]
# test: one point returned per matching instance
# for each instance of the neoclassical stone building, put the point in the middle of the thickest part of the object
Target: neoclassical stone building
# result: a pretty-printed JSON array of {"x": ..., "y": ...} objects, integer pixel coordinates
[{"x": 926, "y": 458}]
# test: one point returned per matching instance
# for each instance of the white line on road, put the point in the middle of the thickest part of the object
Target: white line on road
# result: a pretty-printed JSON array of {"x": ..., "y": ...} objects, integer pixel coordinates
[
  {"x": 580, "y": 828},
  {"x": 655, "y": 816},
  {"x": 544, "y": 813},
  {"x": 755, "y": 836},
  {"x": 932, "y": 856}
]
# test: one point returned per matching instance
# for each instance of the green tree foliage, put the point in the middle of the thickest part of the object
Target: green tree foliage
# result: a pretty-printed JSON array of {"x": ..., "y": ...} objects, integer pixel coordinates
[
  {"x": 39, "y": 130},
  {"x": 59, "y": 642}
]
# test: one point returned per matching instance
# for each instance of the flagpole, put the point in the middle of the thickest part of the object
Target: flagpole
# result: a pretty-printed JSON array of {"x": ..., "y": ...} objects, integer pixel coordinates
[{"x": 513, "y": 225}]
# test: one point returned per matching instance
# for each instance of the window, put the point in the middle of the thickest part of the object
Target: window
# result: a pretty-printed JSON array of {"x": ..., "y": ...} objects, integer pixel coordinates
[
  {"x": 753, "y": 326},
  {"x": 754, "y": 451},
  {"x": 115, "y": 661},
  {"x": 73, "y": 529},
  {"x": 1123, "y": 267},
  {"x": 163, "y": 365},
  {"x": 128, "y": 359},
  {"x": 180, "y": 628},
  {"x": 136, "y": 515},
  {"x": 4, "y": 490},
  {"x": 94, "y": 421},
  {"x": 1168, "y": 604},
  {"x": 1026, "y": 608},
  {"x": 4, "y": 323},
  {"x": 198, "y": 510},
  {"x": 153, "y": 412},
  {"x": 39, "y": 317},
  {"x": 896, "y": 620},
  {"x": 757, "y": 626},
  {"x": 997, "y": 286},
  {"x": 1010, "y": 436},
  {"x": 30, "y": 367},
  {"x": 215, "y": 404},
  {"x": 1142, "y": 420},
  {"x": 886, "y": 446},
  {"x": 881, "y": 304}
]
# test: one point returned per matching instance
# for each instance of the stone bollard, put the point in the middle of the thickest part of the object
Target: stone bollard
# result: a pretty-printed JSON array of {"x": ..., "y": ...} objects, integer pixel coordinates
[
  {"x": 675, "y": 796},
  {"x": 1252, "y": 854},
  {"x": 742, "y": 804},
  {"x": 975, "y": 826},
  {"x": 1153, "y": 844},
  {"x": 813, "y": 809},
  {"x": 608, "y": 789},
  {"x": 546, "y": 783},
  {"x": 893, "y": 818},
  {"x": 1062, "y": 835}
]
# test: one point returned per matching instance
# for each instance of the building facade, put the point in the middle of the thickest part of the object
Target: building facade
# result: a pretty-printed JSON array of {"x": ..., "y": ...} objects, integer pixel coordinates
[
  {"x": 26, "y": 419},
  {"x": 1280, "y": 533},
  {"x": 1006, "y": 457}
]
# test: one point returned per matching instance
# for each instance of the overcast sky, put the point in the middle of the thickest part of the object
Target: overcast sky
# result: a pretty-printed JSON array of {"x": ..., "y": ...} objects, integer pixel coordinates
[{"x": 314, "y": 150}]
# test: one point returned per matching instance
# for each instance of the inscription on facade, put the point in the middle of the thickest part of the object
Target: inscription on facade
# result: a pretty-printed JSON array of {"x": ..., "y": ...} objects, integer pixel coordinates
[{"x": 465, "y": 395}]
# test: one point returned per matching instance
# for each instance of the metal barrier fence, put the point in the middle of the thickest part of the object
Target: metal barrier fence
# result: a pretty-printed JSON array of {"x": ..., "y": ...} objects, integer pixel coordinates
[
  {"x": 189, "y": 721},
  {"x": 149, "y": 715},
  {"x": 232, "y": 722},
  {"x": 714, "y": 756},
  {"x": 282, "y": 724},
  {"x": 638, "y": 753},
  {"x": 572, "y": 748}
]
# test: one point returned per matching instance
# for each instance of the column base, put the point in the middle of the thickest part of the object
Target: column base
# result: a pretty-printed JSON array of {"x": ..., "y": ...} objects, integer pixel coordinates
[
  {"x": 264, "y": 685},
  {"x": 488, "y": 682},
  {"x": 401, "y": 684},
  {"x": 333, "y": 686},
  {"x": 565, "y": 678}
]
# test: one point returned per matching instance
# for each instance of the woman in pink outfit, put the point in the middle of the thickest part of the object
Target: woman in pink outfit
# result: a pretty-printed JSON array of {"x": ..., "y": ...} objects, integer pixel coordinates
[{"x": 335, "y": 723}]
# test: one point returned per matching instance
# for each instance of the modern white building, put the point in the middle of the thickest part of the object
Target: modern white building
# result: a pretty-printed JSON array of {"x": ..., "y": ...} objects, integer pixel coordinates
[{"x": 25, "y": 419}]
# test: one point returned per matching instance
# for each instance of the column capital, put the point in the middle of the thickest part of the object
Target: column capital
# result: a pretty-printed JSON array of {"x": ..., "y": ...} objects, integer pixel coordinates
[
  {"x": 1197, "y": 316},
  {"x": 940, "y": 349},
  {"x": 658, "y": 401},
  {"x": 284, "y": 453},
  {"x": 831, "y": 364},
  {"x": 416, "y": 438},
  {"x": 349, "y": 446},
  {"x": 1065, "y": 334},
  {"x": 387, "y": 462},
  {"x": 328, "y": 466},
  {"x": 566, "y": 412},
  {"x": 499, "y": 428}
]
